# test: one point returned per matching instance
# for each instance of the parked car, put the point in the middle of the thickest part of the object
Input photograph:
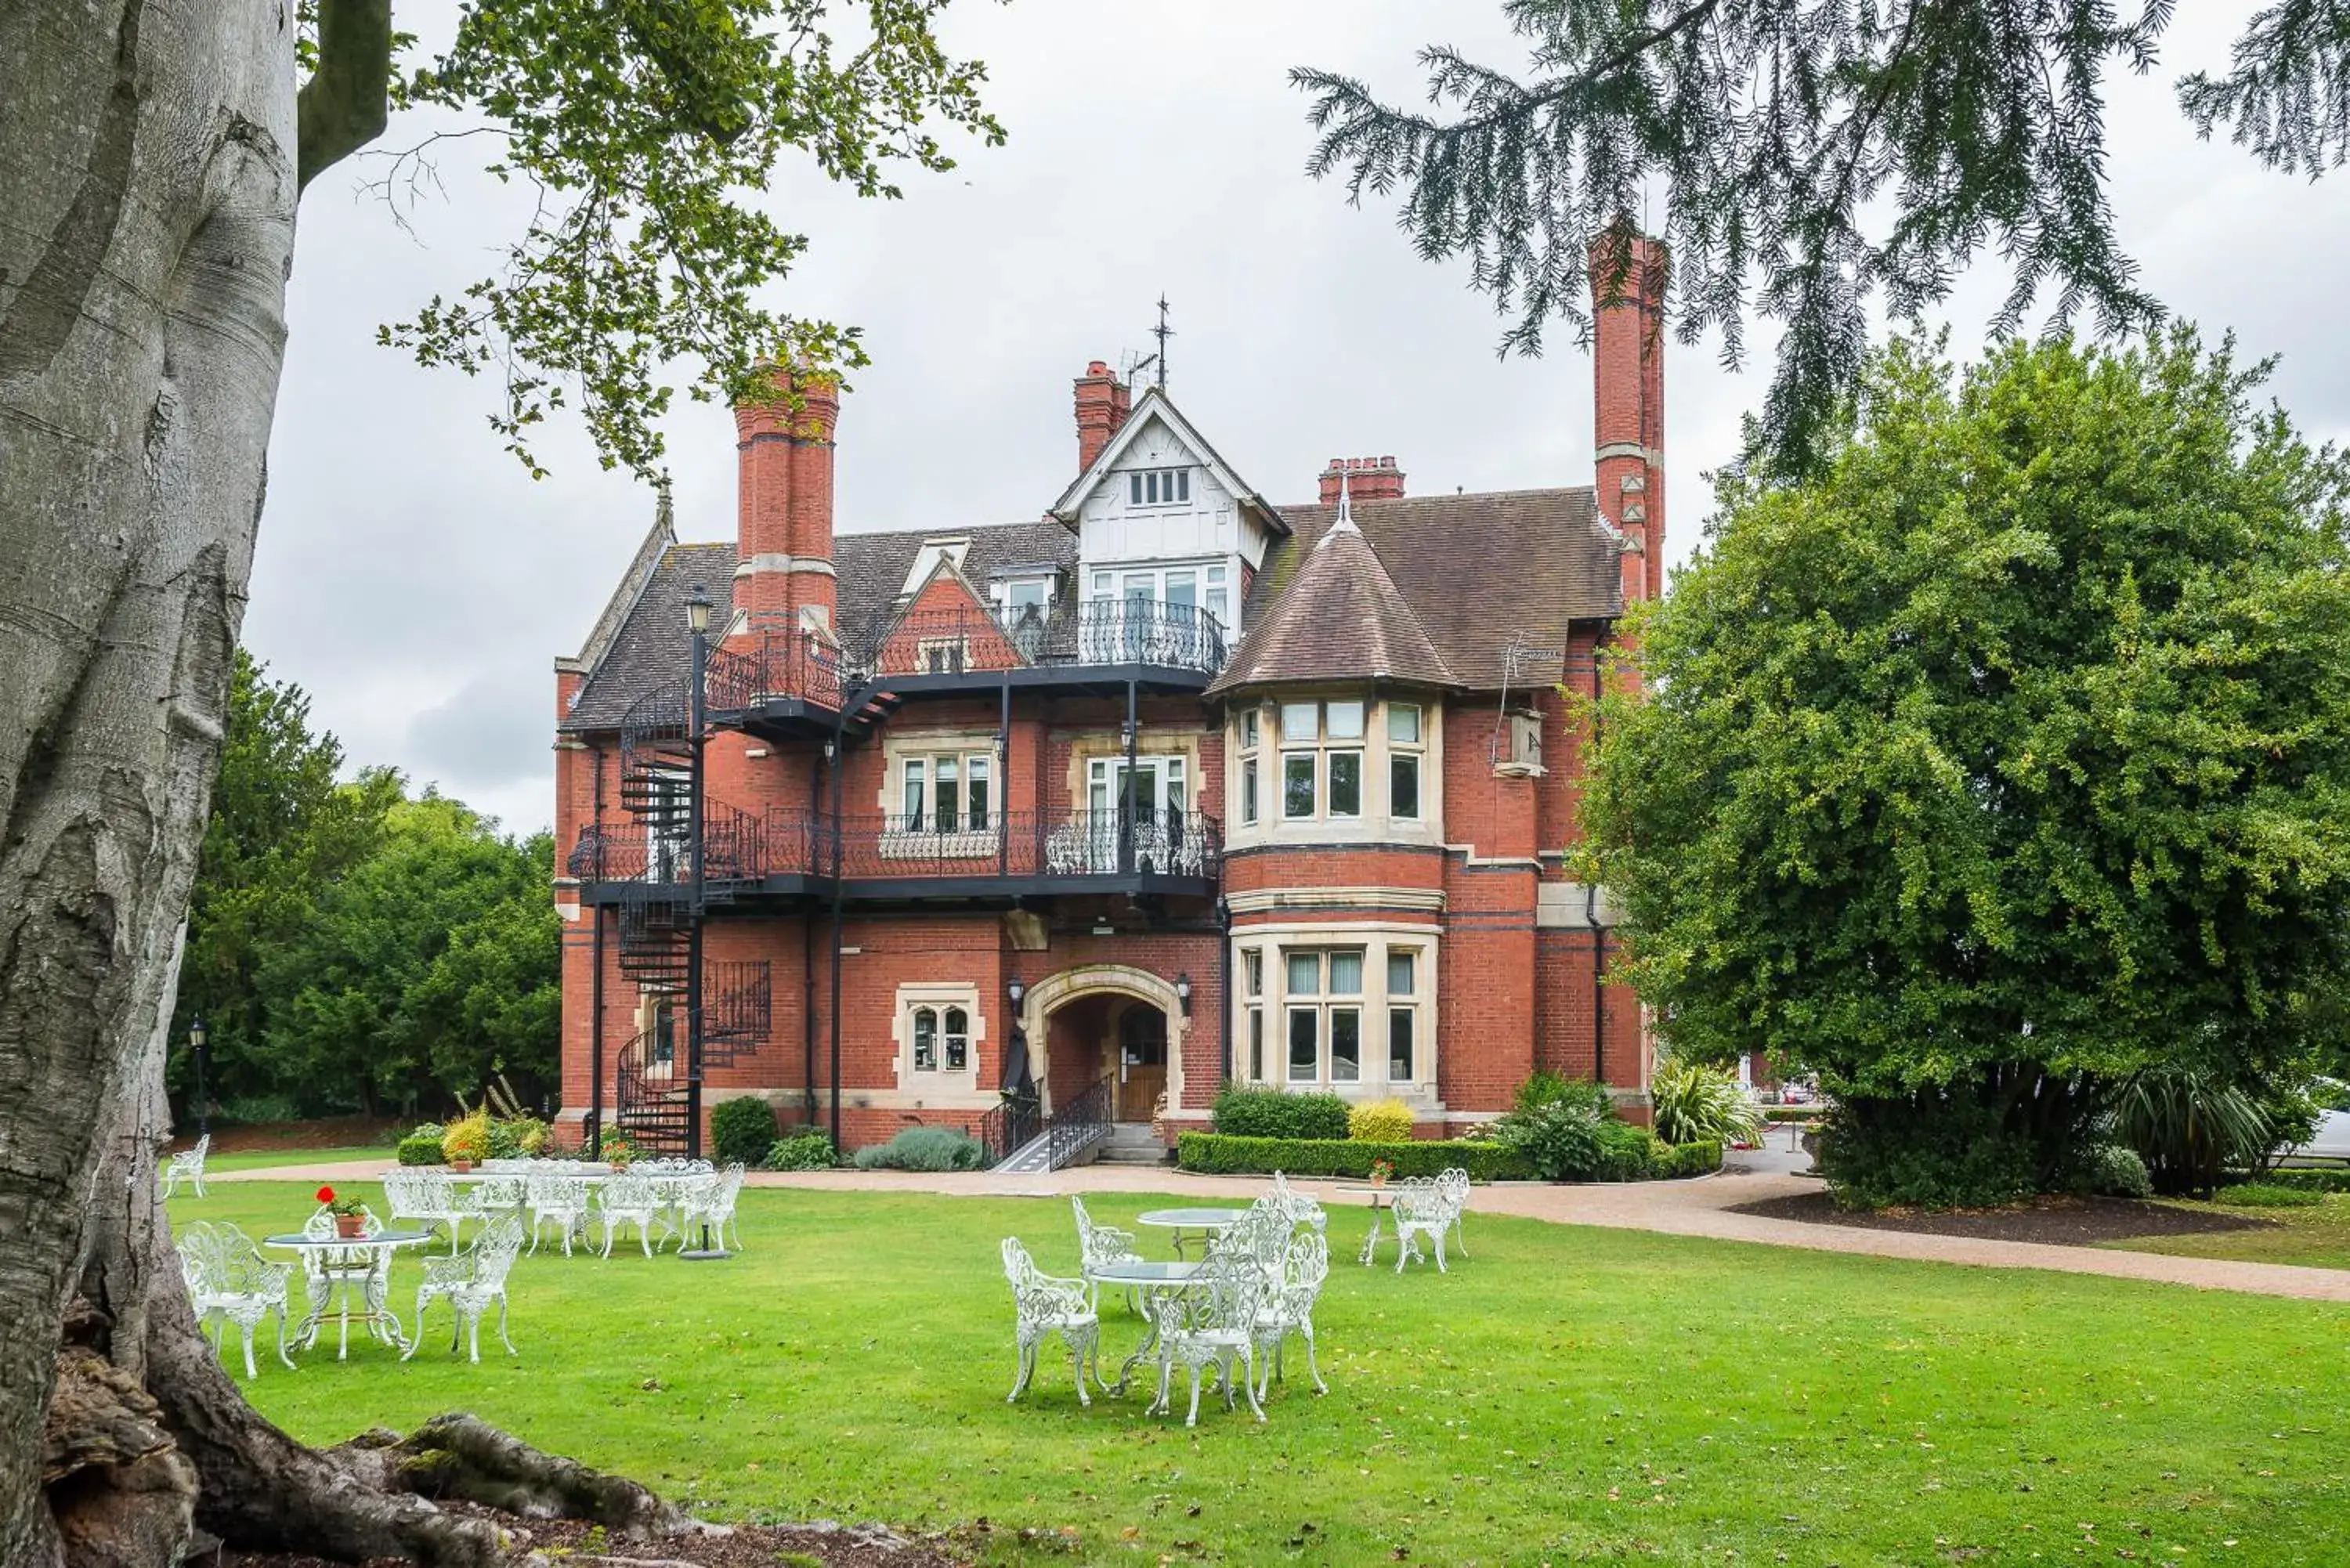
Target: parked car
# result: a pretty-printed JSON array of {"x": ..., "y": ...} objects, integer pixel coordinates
[{"x": 2331, "y": 1139}]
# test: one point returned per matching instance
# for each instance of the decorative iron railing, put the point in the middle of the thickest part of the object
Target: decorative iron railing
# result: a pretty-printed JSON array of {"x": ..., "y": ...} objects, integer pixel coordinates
[
  {"x": 754, "y": 671},
  {"x": 1009, "y": 1127},
  {"x": 1079, "y": 1123},
  {"x": 744, "y": 848},
  {"x": 738, "y": 997},
  {"x": 1101, "y": 632}
]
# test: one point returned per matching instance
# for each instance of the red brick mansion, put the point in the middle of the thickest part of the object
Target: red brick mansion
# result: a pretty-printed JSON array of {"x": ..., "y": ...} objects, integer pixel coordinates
[{"x": 1012, "y": 825}]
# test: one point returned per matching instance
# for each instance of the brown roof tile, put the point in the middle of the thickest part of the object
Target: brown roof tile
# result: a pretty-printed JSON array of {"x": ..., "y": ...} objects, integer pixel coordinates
[{"x": 1341, "y": 618}]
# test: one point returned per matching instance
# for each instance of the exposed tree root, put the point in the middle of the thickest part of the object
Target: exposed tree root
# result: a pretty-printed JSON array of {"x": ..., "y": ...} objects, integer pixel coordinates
[{"x": 458, "y": 1456}]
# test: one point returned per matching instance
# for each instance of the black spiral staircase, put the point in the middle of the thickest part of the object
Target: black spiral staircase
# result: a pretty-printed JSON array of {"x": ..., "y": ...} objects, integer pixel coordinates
[{"x": 656, "y": 932}]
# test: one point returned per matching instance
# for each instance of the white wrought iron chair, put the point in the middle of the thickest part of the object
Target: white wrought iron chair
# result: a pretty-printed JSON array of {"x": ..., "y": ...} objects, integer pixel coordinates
[
  {"x": 229, "y": 1282},
  {"x": 1045, "y": 1305},
  {"x": 712, "y": 1203},
  {"x": 633, "y": 1200},
  {"x": 1099, "y": 1246},
  {"x": 1419, "y": 1209},
  {"x": 1453, "y": 1183},
  {"x": 1302, "y": 1209},
  {"x": 1288, "y": 1309},
  {"x": 1210, "y": 1321},
  {"x": 188, "y": 1165},
  {"x": 429, "y": 1198},
  {"x": 470, "y": 1282},
  {"x": 561, "y": 1199},
  {"x": 326, "y": 1268}
]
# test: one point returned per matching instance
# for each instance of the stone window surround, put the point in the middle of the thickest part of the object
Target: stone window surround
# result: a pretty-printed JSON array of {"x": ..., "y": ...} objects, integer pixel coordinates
[
  {"x": 1375, "y": 824},
  {"x": 1374, "y": 938},
  {"x": 939, "y": 995}
]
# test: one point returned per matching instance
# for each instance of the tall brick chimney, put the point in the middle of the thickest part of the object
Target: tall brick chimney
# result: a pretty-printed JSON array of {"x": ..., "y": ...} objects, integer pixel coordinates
[
  {"x": 1629, "y": 400},
  {"x": 1368, "y": 479},
  {"x": 783, "y": 577},
  {"x": 1103, "y": 403}
]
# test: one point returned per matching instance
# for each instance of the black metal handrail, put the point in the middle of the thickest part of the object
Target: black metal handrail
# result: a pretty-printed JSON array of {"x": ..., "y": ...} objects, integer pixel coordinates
[
  {"x": 1095, "y": 632},
  {"x": 750, "y": 672},
  {"x": 738, "y": 1001},
  {"x": 1009, "y": 1127},
  {"x": 1079, "y": 1123}
]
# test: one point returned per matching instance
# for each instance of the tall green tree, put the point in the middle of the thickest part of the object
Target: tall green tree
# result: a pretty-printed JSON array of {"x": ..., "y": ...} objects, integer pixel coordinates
[
  {"x": 432, "y": 965},
  {"x": 153, "y": 157},
  {"x": 2005, "y": 758},
  {"x": 1810, "y": 155},
  {"x": 283, "y": 830}
]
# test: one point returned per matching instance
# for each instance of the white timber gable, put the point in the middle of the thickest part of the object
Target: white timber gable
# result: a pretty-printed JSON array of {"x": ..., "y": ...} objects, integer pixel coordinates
[{"x": 1160, "y": 517}]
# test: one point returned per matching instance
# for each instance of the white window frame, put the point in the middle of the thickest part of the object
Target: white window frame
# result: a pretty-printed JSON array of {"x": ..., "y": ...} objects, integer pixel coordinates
[
  {"x": 936, "y": 1007},
  {"x": 1268, "y": 1018},
  {"x": 908, "y": 836},
  {"x": 1414, "y": 752},
  {"x": 1153, "y": 488},
  {"x": 1327, "y": 1006}
]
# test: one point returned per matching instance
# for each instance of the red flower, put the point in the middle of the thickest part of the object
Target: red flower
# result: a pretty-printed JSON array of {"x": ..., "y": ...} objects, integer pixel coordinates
[{"x": 326, "y": 1195}]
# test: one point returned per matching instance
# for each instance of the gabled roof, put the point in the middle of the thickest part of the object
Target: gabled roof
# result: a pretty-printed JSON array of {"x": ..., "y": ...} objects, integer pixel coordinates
[
  {"x": 658, "y": 539},
  {"x": 1478, "y": 571},
  {"x": 652, "y": 645},
  {"x": 1154, "y": 404},
  {"x": 1342, "y": 618}
]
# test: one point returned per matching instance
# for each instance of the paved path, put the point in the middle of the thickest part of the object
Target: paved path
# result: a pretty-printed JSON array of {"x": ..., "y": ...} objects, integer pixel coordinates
[{"x": 1674, "y": 1208}]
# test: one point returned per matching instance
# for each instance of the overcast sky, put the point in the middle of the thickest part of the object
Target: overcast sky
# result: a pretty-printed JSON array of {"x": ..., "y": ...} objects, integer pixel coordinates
[{"x": 419, "y": 584}]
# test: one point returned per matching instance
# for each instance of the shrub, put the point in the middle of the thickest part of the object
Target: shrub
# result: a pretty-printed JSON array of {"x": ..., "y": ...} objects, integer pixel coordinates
[
  {"x": 467, "y": 1138},
  {"x": 1944, "y": 1148},
  {"x": 1221, "y": 1154},
  {"x": 742, "y": 1129},
  {"x": 923, "y": 1149},
  {"x": 2268, "y": 1195},
  {"x": 257, "y": 1110},
  {"x": 2115, "y": 1171},
  {"x": 1246, "y": 1111},
  {"x": 2190, "y": 1126},
  {"x": 1627, "y": 1153},
  {"x": 419, "y": 1149},
  {"x": 1793, "y": 1113},
  {"x": 806, "y": 1150},
  {"x": 1558, "y": 1139},
  {"x": 516, "y": 1137},
  {"x": 1695, "y": 1103},
  {"x": 1550, "y": 1089},
  {"x": 1685, "y": 1159},
  {"x": 618, "y": 1147},
  {"x": 1379, "y": 1121}
]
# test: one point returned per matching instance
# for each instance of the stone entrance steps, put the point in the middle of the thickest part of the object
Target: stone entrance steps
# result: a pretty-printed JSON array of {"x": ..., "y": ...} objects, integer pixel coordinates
[{"x": 1131, "y": 1143}]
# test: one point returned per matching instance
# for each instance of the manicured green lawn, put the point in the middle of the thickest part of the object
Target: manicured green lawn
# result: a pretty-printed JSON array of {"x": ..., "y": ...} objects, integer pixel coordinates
[
  {"x": 1565, "y": 1396},
  {"x": 2318, "y": 1237},
  {"x": 263, "y": 1158}
]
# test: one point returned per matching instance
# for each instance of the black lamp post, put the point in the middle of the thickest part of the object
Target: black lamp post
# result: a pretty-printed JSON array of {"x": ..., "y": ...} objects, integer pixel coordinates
[
  {"x": 196, "y": 1048},
  {"x": 697, "y": 621}
]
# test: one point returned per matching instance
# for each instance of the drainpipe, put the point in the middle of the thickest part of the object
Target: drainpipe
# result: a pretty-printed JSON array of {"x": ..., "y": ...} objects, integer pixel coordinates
[
  {"x": 1591, "y": 892},
  {"x": 695, "y": 830},
  {"x": 1126, "y": 826},
  {"x": 808, "y": 946},
  {"x": 1224, "y": 969},
  {"x": 1004, "y": 784},
  {"x": 593, "y": 1133},
  {"x": 832, "y": 752}
]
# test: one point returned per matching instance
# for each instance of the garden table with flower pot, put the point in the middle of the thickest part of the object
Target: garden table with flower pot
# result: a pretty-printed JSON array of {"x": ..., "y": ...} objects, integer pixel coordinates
[
  {"x": 362, "y": 1262},
  {"x": 1379, "y": 1191}
]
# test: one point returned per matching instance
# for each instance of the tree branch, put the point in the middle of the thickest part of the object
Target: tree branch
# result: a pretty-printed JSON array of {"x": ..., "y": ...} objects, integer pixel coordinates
[{"x": 346, "y": 102}]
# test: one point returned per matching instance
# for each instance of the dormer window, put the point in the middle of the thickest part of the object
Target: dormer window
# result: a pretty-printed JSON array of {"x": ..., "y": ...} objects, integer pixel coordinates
[{"x": 1159, "y": 487}]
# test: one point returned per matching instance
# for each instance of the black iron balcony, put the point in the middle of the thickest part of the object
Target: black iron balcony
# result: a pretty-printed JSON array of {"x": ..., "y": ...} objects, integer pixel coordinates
[
  {"x": 1103, "y": 634},
  {"x": 770, "y": 670},
  {"x": 746, "y": 853}
]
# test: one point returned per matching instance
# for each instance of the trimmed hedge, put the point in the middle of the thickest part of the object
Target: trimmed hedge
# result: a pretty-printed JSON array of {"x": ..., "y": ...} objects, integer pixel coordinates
[
  {"x": 1220, "y": 1153},
  {"x": 1216, "y": 1154},
  {"x": 1244, "y": 1112},
  {"x": 1793, "y": 1113},
  {"x": 742, "y": 1129},
  {"x": 421, "y": 1148}
]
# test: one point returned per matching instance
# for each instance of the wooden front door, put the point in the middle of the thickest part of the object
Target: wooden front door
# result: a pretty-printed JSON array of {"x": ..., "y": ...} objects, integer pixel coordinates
[{"x": 1141, "y": 1062}]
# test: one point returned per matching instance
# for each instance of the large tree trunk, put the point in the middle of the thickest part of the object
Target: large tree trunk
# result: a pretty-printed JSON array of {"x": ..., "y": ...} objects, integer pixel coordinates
[{"x": 146, "y": 158}]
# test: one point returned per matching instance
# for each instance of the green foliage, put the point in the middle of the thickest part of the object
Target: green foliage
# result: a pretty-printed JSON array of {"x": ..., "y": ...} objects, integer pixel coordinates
[
  {"x": 1547, "y": 1088},
  {"x": 517, "y": 1137},
  {"x": 2010, "y": 754},
  {"x": 2269, "y": 1194},
  {"x": 923, "y": 1149},
  {"x": 806, "y": 1150},
  {"x": 1948, "y": 1149},
  {"x": 1695, "y": 1103},
  {"x": 2115, "y": 1171},
  {"x": 282, "y": 831},
  {"x": 1559, "y": 1140},
  {"x": 1220, "y": 1153},
  {"x": 257, "y": 1110},
  {"x": 2190, "y": 1127},
  {"x": 1242, "y": 1111},
  {"x": 1807, "y": 154},
  {"x": 2310, "y": 1178},
  {"x": 1793, "y": 1113},
  {"x": 467, "y": 1137},
  {"x": 618, "y": 1147},
  {"x": 421, "y": 1148},
  {"x": 653, "y": 134},
  {"x": 742, "y": 1129},
  {"x": 1379, "y": 1121}
]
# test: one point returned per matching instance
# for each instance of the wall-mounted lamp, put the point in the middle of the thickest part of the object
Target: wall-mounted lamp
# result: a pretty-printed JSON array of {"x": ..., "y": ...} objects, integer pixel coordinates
[
  {"x": 697, "y": 609},
  {"x": 1014, "y": 989},
  {"x": 1183, "y": 993}
]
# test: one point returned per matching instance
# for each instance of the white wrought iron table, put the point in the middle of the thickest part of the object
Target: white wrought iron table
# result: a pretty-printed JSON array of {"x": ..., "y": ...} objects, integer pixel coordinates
[
  {"x": 1378, "y": 1190},
  {"x": 373, "y": 1282},
  {"x": 1153, "y": 1281},
  {"x": 1208, "y": 1223}
]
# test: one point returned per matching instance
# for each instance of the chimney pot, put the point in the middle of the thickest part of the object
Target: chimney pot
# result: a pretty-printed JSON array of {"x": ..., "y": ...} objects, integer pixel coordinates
[
  {"x": 1366, "y": 479},
  {"x": 1103, "y": 402}
]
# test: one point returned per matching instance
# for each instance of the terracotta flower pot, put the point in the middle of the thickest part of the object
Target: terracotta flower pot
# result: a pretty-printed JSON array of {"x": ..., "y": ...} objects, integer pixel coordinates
[
  {"x": 350, "y": 1227},
  {"x": 619, "y": 1165},
  {"x": 461, "y": 1165}
]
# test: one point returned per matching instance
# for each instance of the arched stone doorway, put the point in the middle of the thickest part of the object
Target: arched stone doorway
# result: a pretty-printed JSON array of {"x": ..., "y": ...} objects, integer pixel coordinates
[{"x": 1107, "y": 1020}]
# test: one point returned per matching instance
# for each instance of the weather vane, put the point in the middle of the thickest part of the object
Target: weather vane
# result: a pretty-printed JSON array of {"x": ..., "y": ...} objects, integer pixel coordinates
[{"x": 1162, "y": 332}]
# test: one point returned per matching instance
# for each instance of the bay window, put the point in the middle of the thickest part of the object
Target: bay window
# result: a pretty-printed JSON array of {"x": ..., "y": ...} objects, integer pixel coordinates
[
  {"x": 1403, "y": 1014},
  {"x": 1405, "y": 746},
  {"x": 1324, "y": 996}
]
